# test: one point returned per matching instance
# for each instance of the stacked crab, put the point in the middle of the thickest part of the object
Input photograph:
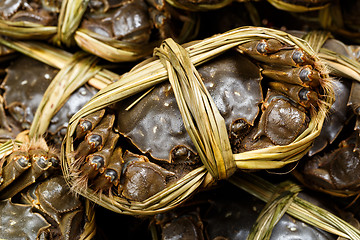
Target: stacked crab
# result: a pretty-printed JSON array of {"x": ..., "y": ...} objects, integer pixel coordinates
[{"x": 139, "y": 143}]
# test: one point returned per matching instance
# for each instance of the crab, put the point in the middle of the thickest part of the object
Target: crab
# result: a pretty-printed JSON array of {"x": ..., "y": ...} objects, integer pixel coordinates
[
  {"x": 135, "y": 21},
  {"x": 153, "y": 150},
  {"x": 229, "y": 213},
  {"x": 206, "y": 5},
  {"x": 46, "y": 210},
  {"x": 35, "y": 11},
  {"x": 24, "y": 85}
]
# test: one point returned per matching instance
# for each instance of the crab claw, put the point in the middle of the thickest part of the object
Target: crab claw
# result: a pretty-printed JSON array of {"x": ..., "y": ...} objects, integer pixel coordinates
[
  {"x": 281, "y": 120},
  {"x": 142, "y": 178}
]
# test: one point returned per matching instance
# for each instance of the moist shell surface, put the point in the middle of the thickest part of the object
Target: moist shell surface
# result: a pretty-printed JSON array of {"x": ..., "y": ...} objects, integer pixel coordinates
[{"x": 155, "y": 125}]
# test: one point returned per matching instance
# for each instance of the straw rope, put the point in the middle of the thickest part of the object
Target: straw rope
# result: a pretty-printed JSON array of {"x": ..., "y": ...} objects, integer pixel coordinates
[
  {"x": 178, "y": 65},
  {"x": 201, "y": 117}
]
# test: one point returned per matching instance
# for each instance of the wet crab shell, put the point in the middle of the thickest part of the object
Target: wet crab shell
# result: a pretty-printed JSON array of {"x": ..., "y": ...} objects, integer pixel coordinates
[
  {"x": 46, "y": 210},
  {"x": 229, "y": 213},
  {"x": 24, "y": 85},
  {"x": 233, "y": 82},
  {"x": 129, "y": 30},
  {"x": 40, "y": 12},
  {"x": 335, "y": 171},
  {"x": 89, "y": 134},
  {"x": 20, "y": 221}
]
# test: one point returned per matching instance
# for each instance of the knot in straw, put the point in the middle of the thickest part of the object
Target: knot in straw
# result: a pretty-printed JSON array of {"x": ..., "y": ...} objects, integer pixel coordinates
[
  {"x": 68, "y": 21},
  {"x": 201, "y": 117}
]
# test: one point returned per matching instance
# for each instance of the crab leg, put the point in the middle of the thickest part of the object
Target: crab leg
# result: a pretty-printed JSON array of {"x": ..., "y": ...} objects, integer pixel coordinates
[
  {"x": 275, "y": 55},
  {"x": 262, "y": 47},
  {"x": 98, "y": 161},
  {"x": 304, "y": 76},
  {"x": 95, "y": 140},
  {"x": 3, "y": 122},
  {"x": 112, "y": 173},
  {"x": 18, "y": 162},
  {"x": 303, "y": 96},
  {"x": 39, "y": 164},
  {"x": 88, "y": 123}
]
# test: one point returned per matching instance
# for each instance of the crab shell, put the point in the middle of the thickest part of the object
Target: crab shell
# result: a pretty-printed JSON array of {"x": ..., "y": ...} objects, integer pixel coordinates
[
  {"x": 25, "y": 84},
  {"x": 48, "y": 210},
  {"x": 335, "y": 172},
  {"x": 155, "y": 126},
  {"x": 40, "y": 12},
  {"x": 229, "y": 213}
]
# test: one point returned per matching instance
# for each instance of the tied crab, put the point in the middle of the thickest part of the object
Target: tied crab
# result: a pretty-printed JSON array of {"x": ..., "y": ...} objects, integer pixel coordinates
[
  {"x": 230, "y": 213},
  {"x": 135, "y": 152}
]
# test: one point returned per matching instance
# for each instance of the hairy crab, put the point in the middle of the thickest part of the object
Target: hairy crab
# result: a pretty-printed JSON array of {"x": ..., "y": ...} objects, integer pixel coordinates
[
  {"x": 290, "y": 5},
  {"x": 24, "y": 86},
  {"x": 135, "y": 152}
]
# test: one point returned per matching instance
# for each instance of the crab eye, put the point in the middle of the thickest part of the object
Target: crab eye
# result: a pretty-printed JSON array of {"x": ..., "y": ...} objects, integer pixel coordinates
[
  {"x": 181, "y": 151},
  {"x": 304, "y": 74},
  {"x": 111, "y": 174},
  {"x": 97, "y": 161},
  {"x": 239, "y": 126},
  {"x": 95, "y": 140}
]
